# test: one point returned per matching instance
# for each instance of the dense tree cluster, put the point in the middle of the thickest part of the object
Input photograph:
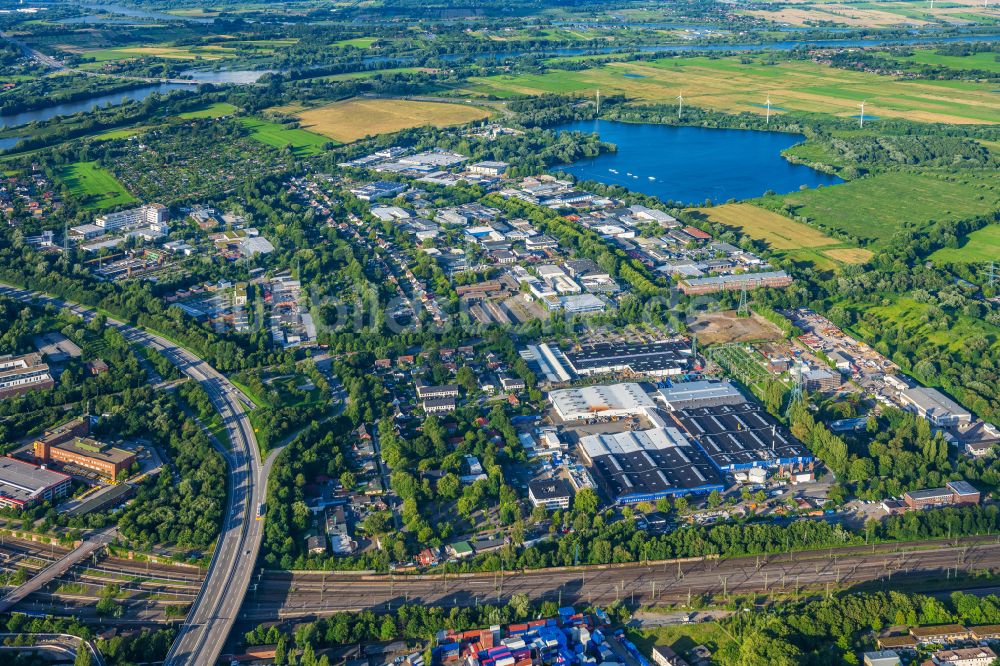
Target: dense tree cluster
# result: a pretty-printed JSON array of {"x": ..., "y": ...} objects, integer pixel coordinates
[{"x": 182, "y": 505}]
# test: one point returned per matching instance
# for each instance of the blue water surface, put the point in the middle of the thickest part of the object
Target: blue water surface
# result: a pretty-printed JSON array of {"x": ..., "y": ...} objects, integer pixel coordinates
[{"x": 692, "y": 164}]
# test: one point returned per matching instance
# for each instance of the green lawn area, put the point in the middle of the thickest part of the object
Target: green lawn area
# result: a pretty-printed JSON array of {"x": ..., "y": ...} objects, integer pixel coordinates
[
  {"x": 357, "y": 42},
  {"x": 216, "y": 110},
  {"x": 982, "y": 245},
  {"x": 350, "y": 76},
  {"x": 279, "y": 136},
  {"x": 876, "y": 207},
  {"x": 95, "y": 186},
  {"x": 121, "y": 133},
  {"x": 681, "y": 637}
]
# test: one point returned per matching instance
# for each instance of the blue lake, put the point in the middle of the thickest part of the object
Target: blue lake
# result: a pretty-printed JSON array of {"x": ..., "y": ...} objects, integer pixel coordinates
[{"x": 691, "y": 164}]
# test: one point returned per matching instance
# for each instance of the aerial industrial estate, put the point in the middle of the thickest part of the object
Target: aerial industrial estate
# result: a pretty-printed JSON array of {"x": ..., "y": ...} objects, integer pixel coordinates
[{"x": 499, "y": 334}]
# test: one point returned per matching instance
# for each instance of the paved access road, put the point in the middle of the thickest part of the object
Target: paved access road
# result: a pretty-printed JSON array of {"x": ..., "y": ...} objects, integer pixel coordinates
[{"x": 214, "y": 611}]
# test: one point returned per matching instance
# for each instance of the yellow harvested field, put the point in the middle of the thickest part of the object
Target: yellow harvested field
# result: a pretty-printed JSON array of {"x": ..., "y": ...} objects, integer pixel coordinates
[
  {"x": 849, "y": 255},
  {"x": 357, "y": 118},
  {"x": 777, "y": 230},
  {"x": 837, "y": 14},
  {"x": 864, "y": 14},
  {"x": 159, "y": 51}
]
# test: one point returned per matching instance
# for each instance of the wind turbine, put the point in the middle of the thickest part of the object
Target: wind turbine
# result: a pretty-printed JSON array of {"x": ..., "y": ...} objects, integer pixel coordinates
[
  {"x": 598, "y": 101},
  {"x": 680, "y": 104},
  {"x": 862, "y": 105},
  {"x": 767, "y": 120}
]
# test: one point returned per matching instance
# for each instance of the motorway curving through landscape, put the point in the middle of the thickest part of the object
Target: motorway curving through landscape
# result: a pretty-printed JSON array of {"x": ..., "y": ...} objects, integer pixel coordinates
[{"x": 217, "y": 605}]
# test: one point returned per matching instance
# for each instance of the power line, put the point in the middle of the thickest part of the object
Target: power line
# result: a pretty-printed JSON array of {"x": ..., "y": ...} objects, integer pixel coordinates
[{"x": 744, "y": 309}]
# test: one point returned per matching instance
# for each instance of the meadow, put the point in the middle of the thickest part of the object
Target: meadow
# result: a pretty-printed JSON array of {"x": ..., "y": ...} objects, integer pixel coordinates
[
  {"x": 123, "y": 133},
  {"x": 876, "y": 207},
  {"x": 982, "y": 61},
  {"x": 94, "y": 185},
  {"x": 357, "y": 118},
  {"x": 273, "y": 134},
  {"x": 793, "y": 240},
  {"x": 216, "y": 110},
  {"x": 351, "y": 76},
  {"x": 912, "y": 317},
  {"x": 981, "y": 246},
  {"x": 727, "y": 84},
  {"x": 357, "y": 42},
  {"x": 681, "y": 637}
]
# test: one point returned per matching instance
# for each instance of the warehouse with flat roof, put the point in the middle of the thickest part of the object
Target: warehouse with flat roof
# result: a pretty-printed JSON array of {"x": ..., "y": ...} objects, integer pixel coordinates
[
  {"x": 702, "y": 393},
  {"x": 740, "y": 437},
  {"x": 654, "y": 359},
  {"x": 550, "y": 361},
  {"x": 646, "y": 465},
  {"x": 934, "y": 406},
  {"x": 23, "y": 484},
  {"x": 610, "y": 401}
]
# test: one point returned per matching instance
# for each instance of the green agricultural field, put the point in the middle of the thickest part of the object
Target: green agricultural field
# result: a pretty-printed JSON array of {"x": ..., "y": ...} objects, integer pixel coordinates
[
  {"x": 727, "y": 84},
  {"x": 982, "y": 61},
  {"x": 165, "y": 52},
  {"x": 357, "y": 42},
  {"x": 93, "y": 185},
  {"x": 216, "y": 110},
  {"x": 279, "y": 136},
  {"x": 981, "y": 246},
  {"x": 876, "y": 207}
]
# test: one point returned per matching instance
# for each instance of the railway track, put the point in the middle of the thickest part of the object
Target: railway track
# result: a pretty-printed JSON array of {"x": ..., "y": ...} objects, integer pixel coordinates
[{"x": 275, "y": 595}]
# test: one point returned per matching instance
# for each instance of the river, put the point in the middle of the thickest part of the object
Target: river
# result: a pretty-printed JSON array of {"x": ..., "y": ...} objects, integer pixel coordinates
[
  {"x": 130, "y": 12},
  {"x": 238, "y": 76},
  {"x": 692, "y": 164},
  {"x": 137, "y": 94}
]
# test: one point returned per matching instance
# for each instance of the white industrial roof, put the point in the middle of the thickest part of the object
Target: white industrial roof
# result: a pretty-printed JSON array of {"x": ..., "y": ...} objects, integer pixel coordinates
[{"x": 597, "y": 399}]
